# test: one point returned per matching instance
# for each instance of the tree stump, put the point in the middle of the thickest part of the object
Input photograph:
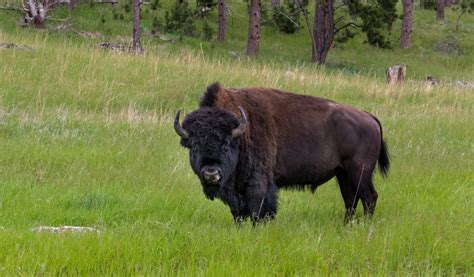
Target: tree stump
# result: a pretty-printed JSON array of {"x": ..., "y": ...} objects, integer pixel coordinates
[{"x": 396, "y": 74}]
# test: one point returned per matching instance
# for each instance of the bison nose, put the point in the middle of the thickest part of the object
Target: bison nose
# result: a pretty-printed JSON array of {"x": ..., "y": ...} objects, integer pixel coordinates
[{"x": 211, "y": 174}]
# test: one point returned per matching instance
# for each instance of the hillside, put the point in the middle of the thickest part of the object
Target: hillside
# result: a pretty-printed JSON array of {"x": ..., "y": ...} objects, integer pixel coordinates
[
  {"x": 86, "y": 139},
  {"x": 353, "y": 57}
]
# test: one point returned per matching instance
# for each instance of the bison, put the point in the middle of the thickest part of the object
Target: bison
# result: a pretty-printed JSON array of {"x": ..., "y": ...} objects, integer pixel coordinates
[{"x": 244, "y": 144}]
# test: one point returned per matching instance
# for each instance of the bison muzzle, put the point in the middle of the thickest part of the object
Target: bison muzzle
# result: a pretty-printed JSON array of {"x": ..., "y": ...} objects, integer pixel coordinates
[{"x": 245, "y": 144}]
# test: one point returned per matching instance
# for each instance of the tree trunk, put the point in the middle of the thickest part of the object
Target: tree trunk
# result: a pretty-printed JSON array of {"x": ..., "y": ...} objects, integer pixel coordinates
[
  {"x": 323, "y": 32},
  {"x": 448, "y": 3},
  {"x": 72, "y": 4},
  {"x": 136, "y": 26},
  {"x": 254, "y": 28},
  {"x": 275, "y": 3},
  {"x": 440, "y": 10},
  {"x": 222, "y": 11},
  {"x": 405, "y": 38},
  {"x": 396, "y": 74}
]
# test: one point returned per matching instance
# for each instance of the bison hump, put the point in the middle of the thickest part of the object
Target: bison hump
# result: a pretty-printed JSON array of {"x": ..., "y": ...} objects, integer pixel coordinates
[{"x": 209, "y": 98}]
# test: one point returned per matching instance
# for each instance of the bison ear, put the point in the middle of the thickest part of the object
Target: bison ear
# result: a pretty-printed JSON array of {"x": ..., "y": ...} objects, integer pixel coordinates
[{"x": 237, "y": 132}]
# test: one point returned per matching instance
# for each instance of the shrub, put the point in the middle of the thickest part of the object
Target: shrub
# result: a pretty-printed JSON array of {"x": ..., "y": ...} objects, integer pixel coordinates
[
  {"x": 155, "y": 5},
  {"x": 180, "y": 19},
  {"x": 156, "y": 25},
  {"x": 377, "y": 20},
  {"x": 287, "y": 17},
  {"x": 207, "y": 31},
  {"x": 204, "y": 7},
  {"x": 126, "y": 7}
]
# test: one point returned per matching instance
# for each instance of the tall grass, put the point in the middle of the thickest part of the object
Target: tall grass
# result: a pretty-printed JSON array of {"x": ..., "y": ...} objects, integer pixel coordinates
[
  {"x": 86, "y": 139},
  {"x": 354, "y": 56}
]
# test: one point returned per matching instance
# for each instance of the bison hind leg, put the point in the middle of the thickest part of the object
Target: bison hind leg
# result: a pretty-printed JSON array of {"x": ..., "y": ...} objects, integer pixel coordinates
[
  {"x": 355, "y": 182},
  {"x": 369, "y": 198}
]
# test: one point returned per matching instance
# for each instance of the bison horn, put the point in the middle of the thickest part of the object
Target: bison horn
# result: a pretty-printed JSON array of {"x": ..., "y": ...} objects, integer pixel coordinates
[
  {"x": 237, "y": 132},
  {"x": 178, "y": 128}
]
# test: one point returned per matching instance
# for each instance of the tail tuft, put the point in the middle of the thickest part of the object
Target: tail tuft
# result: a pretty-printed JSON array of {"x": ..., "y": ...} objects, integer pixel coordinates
[{"x": 384, "y": 159}]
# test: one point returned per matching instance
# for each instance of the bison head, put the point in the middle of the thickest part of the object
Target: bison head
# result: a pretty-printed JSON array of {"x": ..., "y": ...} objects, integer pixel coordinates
[{"x": 212, "y": 137}]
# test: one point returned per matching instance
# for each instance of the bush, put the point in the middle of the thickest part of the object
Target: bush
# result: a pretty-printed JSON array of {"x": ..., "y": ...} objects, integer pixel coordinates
[
  {"x": 207, "y": 31},
  {"x": 156, "y": 25},
  {"x": 204, "y": 7},
  {"x": 180, "y": 19},
  {"x": 126, "y": 7},
  {"x": 428, "y": 4},
  {"x": 102, "y": 19},
  {"x": 155, "y": 5},
  {"x": 287, "y": 17},
  {"x": 377, "y": 20}
]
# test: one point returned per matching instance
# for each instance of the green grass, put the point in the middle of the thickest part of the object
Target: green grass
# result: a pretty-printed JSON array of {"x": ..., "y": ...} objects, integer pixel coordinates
[
  {"x": 353, "y": 57},
  {"x": 86, "y": 139}
]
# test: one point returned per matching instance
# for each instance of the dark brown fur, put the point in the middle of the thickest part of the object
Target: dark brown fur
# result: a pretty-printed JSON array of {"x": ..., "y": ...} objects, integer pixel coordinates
[{"x": 294, "y": 140}]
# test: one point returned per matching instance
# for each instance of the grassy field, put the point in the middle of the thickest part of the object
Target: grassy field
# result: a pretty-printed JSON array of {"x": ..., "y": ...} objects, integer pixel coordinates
[
  {"x": 353, "y": 57},
  {"x": 86, "y": 139}
]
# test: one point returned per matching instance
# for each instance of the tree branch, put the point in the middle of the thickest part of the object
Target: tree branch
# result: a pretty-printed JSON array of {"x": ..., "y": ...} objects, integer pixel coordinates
[
  {"x": 285, "y": 15},
  {"x": 350, "y": 24},
  {"x": 338, "y": 20}
]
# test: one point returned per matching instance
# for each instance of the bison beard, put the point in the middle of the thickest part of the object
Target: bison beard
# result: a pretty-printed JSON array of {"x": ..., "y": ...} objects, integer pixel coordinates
[{"x": 244, "y": 144}]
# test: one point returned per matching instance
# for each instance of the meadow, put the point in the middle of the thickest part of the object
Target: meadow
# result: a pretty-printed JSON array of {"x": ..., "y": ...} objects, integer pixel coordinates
[{"x": 86, "y": 139}]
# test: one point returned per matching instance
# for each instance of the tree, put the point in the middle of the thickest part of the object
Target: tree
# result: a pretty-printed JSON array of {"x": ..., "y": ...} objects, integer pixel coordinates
[
  {"x": 405, "y": 38},
  {"x": 254, "y": 28},
  {"x": 440, "y": 10},
  {"x": 275, "y": 3},
  {"x": 136, "y": 26},
  {"x": 222, "y": 11},
  {"x": 36, "y": 11},
  {"x": 180, "y": 19},
  {"x": 287, "y": 17},
  {"x": 448, "y": 3},
  {"x": 323, "y": 31},
  {"x": 466, "y": 6},
  {"x": 72, "y": 4}
]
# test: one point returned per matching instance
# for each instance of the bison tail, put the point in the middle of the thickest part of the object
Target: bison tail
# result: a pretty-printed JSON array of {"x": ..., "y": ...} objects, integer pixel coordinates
[{"x": 384, "y": 159}]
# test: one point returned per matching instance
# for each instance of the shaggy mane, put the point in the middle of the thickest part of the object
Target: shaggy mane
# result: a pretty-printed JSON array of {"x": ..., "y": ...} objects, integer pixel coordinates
[{"x": 209, "y": 98}]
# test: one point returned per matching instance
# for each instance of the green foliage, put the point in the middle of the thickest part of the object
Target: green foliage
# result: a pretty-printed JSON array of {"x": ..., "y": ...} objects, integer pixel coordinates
[
  {"x": 428, "y": 4},
  {"x": 180, "y": 19},
  {"x": 287, "y": 17},
  {"x": 156, "y": 25},
  {"x": 87, "y": 139},
  {"x": 115, "y": 14},
  {"x": 377, "y": 20},
  {"x": 205, "y": 7},
  {"x": 207, "y": 31},
  {"x": 344, "y": 35},
  {"x": 265, "y": 16},
  {"x": 102, "y": 19},
  {"x": 127, "y": 6},
  {"x": 465, "y": 6},
  {"x": 155, "y": 4}
]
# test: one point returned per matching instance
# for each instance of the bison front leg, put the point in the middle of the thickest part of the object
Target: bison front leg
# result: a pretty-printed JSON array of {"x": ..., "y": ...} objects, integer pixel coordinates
[{"x": 261, "y": 202}]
